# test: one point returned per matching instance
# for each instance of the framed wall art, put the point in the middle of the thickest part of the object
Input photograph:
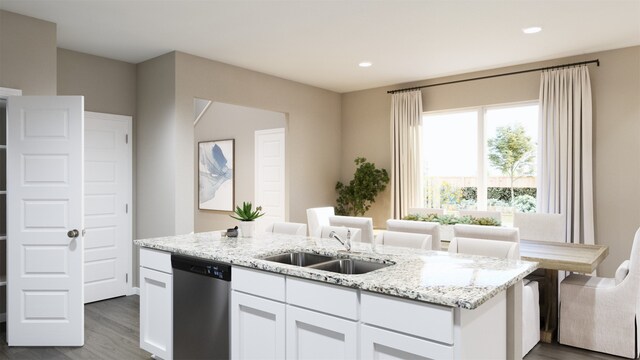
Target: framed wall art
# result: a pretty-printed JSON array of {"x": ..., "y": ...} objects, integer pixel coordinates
[{"x": 216, "y": 182}]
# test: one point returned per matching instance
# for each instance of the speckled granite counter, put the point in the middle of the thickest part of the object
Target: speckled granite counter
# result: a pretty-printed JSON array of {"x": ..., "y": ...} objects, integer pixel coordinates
[{"x": 464, "y": 281}]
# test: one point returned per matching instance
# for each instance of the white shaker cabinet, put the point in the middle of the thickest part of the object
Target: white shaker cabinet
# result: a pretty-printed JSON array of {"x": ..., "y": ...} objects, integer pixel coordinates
[
  {"x": 379, "y": 343},
  {"x": 257, "y": 327},
  {"x": 156, "y": 303},
  {"x": 257, "y": 315},
  {"x": 314, "y": 335}
]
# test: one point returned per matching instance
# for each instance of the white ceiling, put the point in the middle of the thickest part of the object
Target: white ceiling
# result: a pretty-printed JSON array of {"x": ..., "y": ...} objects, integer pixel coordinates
[{"x": 320, "y": 42}]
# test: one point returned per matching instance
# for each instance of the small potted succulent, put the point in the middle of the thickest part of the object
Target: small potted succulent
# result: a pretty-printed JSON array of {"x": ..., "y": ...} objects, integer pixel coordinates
[{"x": 247, "y": 217}]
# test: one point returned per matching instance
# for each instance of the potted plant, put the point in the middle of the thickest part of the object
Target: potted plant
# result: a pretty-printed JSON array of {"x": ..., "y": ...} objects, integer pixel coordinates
[
  {"x": 247, "y": 217},
  {"x": 368, "y": 181}
]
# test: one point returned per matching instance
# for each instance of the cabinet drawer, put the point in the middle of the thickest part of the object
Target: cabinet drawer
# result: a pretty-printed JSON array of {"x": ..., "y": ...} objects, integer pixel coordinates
[
  {"x": 379, "y": 343},
  {"x": 424, "y": 320},
  {"x": 260, "y": 283},
  {"x": 330, "y": 299},
  {"x": 156, "y": 260}
]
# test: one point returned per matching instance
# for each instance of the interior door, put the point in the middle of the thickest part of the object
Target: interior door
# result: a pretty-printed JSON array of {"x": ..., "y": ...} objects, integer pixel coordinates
[
  {"x": 44, "y": 221},
  {"x": 270, "y": 176},
  {"x": 107, "y": 199}
]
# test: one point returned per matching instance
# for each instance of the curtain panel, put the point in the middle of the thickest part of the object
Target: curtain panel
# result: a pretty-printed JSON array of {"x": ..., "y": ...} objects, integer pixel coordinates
[
  {"x": 406, "y": 167},
  {"x": 565, "y": 150}
]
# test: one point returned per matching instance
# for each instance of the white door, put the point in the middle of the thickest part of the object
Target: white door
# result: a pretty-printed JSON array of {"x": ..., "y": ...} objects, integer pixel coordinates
[
  {"x": 270, "y": 176},
  {"x": 45, "y": 297},
  {"x": 107, "y": 206},
  {"x": 257, "y": 327}
]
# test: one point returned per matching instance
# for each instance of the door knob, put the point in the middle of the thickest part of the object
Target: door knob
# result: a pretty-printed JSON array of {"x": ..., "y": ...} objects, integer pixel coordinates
[{"x": 73, "y": 233}]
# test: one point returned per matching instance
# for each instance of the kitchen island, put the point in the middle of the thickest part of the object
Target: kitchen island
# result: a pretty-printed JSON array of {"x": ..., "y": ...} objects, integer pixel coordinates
[{"x": 424, "y": 304}]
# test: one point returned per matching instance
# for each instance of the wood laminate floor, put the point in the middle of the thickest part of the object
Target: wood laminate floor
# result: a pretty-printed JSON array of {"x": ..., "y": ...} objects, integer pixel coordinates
[{"x": 112, "y": 332}]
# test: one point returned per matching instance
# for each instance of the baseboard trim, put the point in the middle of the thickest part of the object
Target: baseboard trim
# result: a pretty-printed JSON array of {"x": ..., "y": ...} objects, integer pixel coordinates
[{"x": 134, "y": 291}]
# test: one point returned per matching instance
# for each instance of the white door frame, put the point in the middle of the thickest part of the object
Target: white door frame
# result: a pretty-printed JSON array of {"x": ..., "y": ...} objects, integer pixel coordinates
[{"x": 129, "y": 197}]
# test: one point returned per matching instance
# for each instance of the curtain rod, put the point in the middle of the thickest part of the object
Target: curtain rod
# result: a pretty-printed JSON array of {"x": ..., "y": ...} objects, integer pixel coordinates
[{"x": 596, "y": 61}]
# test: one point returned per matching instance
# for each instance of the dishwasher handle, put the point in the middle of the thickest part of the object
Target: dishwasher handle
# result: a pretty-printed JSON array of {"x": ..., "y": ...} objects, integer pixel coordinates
[{"x": 201, "y": 267}]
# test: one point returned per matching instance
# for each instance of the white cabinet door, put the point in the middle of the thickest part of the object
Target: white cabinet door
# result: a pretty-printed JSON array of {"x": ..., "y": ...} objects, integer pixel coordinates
[
  {"x": 257, "y": 327},
  {"x": 156, "y": 312},
  {"x": 313, "y": 335},
  {"x": 381, "y": 344},
  {"x": 45, "y": 297}
]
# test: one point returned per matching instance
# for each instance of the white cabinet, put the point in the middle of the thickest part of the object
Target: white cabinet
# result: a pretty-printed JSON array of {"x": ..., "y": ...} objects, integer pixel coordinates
[
  {"x": 156, "y": 303},
  {"x": 314, "y": 335},
  {"x": 257, "y": 327}
]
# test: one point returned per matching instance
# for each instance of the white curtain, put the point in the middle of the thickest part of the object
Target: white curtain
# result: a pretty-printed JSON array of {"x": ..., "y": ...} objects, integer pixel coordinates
[
  {"x": 406, "y": 173},
  {"x": 565, "y": 150}
]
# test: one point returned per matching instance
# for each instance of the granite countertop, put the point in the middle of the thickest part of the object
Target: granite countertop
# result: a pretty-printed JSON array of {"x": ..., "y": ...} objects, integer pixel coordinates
[{"x": 457, "y": 280}]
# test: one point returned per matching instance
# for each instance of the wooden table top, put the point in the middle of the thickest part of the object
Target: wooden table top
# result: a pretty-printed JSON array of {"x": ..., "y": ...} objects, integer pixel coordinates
[
  {"x": 564, "y": 256},
  {"x": 560, "y": 256}
]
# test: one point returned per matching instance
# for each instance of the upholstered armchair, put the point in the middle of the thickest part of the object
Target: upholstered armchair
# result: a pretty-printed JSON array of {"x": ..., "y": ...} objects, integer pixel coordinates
[
  {"x": 418, "y": 227},
  {"x": 317, "y": 218},
  {"x": 601, "y": 314},
  {"x": 288, "y": 228},
  {"x": 365, "y": 224},
  {"x": 405, "y": 239}
]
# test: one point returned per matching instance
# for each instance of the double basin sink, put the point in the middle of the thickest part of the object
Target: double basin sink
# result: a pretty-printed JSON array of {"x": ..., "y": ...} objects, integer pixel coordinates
[{"x": 326, "y": 263}]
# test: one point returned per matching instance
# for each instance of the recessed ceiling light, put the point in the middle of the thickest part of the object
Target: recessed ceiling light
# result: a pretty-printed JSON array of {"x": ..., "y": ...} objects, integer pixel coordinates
[
  {"x": 532, "y": 30},
  {"x": 365, "y": 64}
]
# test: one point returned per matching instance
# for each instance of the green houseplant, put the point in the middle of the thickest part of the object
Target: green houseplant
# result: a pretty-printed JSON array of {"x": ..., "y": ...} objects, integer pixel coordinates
[
  {"x": 368, "y": 181},
  {"x": 247, "y": 216}
]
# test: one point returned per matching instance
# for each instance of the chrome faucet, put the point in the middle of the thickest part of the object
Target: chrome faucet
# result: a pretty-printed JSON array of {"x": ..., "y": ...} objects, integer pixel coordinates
[{"x": 346, "y": 244}]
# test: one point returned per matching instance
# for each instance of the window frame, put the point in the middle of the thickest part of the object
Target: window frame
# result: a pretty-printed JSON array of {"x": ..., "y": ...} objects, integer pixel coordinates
[{"x": 482, "y": 175}]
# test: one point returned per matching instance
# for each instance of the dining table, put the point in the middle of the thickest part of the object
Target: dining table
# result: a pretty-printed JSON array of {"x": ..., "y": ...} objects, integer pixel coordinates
[{"x": 553, "y": 257}]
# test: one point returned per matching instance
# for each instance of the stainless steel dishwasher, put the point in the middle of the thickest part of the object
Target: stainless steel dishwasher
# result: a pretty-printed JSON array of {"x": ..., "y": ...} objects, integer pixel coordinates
[{"x": 201, "y": 291}]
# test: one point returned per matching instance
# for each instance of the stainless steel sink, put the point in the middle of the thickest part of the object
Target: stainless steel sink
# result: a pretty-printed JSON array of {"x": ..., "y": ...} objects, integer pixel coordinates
[
  {"x": 299, "y": 258},
  {"x": 349, "y": 266}
]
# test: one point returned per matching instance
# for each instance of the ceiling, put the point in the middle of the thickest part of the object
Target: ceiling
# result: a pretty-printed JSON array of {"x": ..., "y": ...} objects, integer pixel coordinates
[{"x": 320, "y": 42}]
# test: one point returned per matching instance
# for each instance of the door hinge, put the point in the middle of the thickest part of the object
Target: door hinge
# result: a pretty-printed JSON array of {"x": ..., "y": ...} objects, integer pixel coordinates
[
  {"x": 126, "y": 208},
  {"x": 127, "y": 277},
  {"x": 126, "y": 138}
]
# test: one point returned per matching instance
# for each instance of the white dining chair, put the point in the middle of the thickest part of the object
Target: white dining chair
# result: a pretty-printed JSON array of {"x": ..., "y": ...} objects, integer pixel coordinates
[
  {"x": 288, "y": 228},
  {"x": 424, "y": 211},
  {"x": 530, "y": 293},
  {"x": 418, "y": 227},
  {"x": 601, "y": 314},
  {"x": 342, "y": 231},
  {"x": 365, "y": 224},
  {"x": 403, "y": 239},
  {"x": 486, "y": 232},
  {"x": 482, "y": 214},
  {"x": 538, "y": 226},
  {"x": 317, "y": 218}
]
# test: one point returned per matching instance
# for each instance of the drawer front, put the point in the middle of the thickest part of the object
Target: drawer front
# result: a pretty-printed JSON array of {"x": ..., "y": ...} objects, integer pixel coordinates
[
  {"x": 379, "y": 343},
  {"x": 427, "y": 321},
  {"x": 156, "y": 260},
  {"x": 330, "y": 299},
  {"x": 259, "y": 283}
]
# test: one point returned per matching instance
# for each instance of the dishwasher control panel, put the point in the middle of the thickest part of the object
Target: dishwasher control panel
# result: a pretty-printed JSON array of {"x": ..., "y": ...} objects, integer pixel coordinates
[{"x": 202, "y": 267}]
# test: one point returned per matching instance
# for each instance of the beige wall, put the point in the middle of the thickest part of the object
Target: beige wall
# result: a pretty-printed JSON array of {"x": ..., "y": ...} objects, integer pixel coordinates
[
  {"x": 616, "y": 94},
  {"x": 27, "y": 54},
  {"x": 226, "y": 121},
  {"x": 313, "y": 134},
  {"x": 108, "y": 86},
  {"x": 155, "y": 142}
]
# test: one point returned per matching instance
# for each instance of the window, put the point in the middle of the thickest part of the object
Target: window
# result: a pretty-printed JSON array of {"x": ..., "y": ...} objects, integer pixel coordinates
[{"x": 481, "y": 158}]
